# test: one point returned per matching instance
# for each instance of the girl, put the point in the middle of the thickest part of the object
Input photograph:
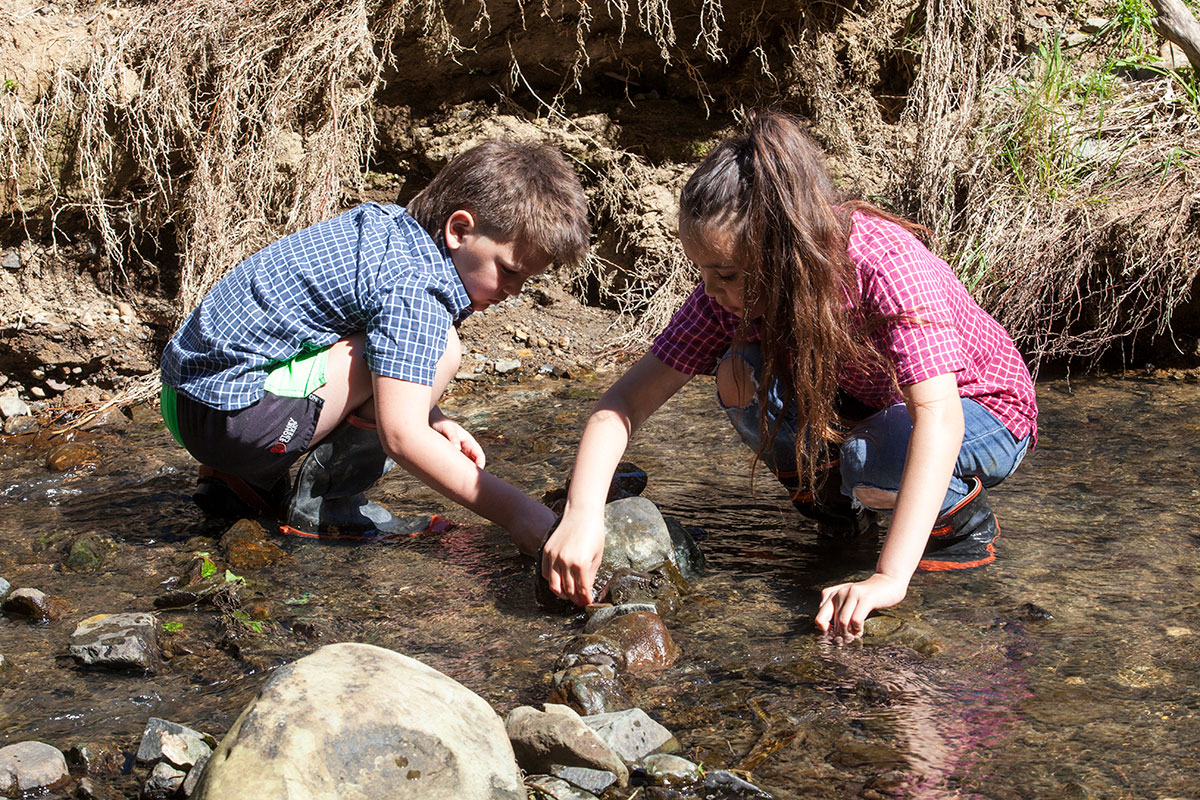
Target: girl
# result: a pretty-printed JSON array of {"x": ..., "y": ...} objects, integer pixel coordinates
[{"x": 849, "y": 357}]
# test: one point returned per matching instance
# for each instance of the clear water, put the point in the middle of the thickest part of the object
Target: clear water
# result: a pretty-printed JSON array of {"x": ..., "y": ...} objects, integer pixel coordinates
[{"x": 1101, "y": 528}]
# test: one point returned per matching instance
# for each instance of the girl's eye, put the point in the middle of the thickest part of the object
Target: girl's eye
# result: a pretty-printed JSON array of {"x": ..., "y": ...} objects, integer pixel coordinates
[{"x": 507, "y": 270}]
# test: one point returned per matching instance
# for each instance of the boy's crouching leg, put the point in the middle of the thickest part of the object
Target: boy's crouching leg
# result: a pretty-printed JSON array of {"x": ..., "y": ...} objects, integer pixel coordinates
[
  {"x": 328, "y": 498},
  {"x": 964, "y": 537}
]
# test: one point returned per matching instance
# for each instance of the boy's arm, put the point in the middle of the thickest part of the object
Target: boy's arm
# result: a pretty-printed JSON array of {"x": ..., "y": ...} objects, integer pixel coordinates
[
  {"x": 573, "y": 553},
  {"x": 937, "y": 434},
  {"x": 403, "y": 415}
]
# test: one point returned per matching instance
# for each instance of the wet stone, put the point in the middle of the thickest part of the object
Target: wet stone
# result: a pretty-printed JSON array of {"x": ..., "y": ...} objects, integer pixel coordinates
[
  {"x": 117, "y": 641},
  {"x": 595, "y": 781},
  {"x": 85, "y": 788},
  {"x": 725, "y": 785},
  {"x": 194, "y": 775},
  {"x": 628, "y": 587},
  {"x": 644, "y": 639},
  {"x": 629, "y": 480},
  {"x": 247, "y": 545},
  {"x": 96, "y": 758},
  {"x": 72, "y": 455},
  {"x": 164, "y": 782},
  {"x": 590, "y": 689},
  {"x": 558, "y": 789},
  {"x": 665, "y": 769},
  {"x": 881, "y": 626},
  {"x": 636, "y": 538},
  {"x": 1033, "y": 613},
  {"x": 592, "y": 648},
  {"x": 5, "y": 588},
  {"x": 29, "y": 604},
  {"x": 15, "y": 426},
  {"x": 602, "y": 614},
  {"x": 851, "y": 754},
  {"x": 686, "y": 554},
  {"x": 178, "y": 744},
  {"x": 632, "y": 734},
  {"x": 29, "y": 767}
]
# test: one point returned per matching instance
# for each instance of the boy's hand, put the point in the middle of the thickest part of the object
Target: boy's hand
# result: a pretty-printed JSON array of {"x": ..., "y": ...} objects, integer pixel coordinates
[
  {"x": 845, "y": 607},
  {"x": 571, "y": 558},
  {"x": 458, "y": 436}
]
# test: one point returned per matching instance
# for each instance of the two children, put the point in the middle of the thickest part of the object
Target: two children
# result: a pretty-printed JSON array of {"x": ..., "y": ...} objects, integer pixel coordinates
[
  {"x": 338, "y": 340},
  {"x": 847, "y": 356}
]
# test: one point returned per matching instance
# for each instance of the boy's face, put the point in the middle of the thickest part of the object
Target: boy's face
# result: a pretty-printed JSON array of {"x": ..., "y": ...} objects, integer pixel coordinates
[{"x": 490, "y": 270}]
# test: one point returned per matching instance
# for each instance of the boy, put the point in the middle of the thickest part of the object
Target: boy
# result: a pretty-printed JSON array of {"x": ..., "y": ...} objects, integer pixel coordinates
[{"x": 338, "y": 340}]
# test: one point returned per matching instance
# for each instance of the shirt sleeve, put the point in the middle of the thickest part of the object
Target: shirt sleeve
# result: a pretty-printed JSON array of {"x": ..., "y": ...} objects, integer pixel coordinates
[
  {"x": 406, "y": 335},
  {"x": 696, "y": 337},
  {"x": 904, "y": 284}
]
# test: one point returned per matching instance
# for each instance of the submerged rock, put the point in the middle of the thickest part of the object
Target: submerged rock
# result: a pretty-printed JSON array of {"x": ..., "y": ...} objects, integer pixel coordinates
[
  {"x": 558, "y": 736},
  {"x": 71, "y": 456},
  {"x": 247, "y": 545},
  {"x": 628, "y": 586},
  {"x": 722, "y": 785},
  {"x": 355, "y": 721},
  {"x": 88, "y": 552},
  {"x": 644, "y": 639},
  {"x": 117, "y": 641},
  {"x": 29, "y": 767},
  {"x": 592, "y": 781},
  {"x": 592, "y": 648},
  {"x": 685, "y": 553},
  {"x": 632, "y": 734},
  {"x": 96, "y": 758},
  {"x": 603, "y": 613}
]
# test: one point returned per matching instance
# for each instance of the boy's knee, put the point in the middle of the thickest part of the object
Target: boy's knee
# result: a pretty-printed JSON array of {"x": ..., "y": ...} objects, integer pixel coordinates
[{"x": 735, "y": 383}]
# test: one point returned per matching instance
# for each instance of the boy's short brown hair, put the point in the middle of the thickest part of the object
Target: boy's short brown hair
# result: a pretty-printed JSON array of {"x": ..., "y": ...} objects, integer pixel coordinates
[{"x": 518, "y": 192}]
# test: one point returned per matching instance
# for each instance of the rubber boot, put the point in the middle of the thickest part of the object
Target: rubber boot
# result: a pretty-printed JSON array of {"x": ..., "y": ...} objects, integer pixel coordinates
[
  {"x": 220, "y": 494},
  {"x": 836, "y": 519},
  {"x": 963, "y": 537},
  {"x": 328, "y": 495}
]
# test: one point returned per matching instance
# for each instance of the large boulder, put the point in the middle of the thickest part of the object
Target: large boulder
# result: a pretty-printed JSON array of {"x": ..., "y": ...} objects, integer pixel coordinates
[
  {"x": 355, "y": 721},
  {"x": 31, "y": 767}
]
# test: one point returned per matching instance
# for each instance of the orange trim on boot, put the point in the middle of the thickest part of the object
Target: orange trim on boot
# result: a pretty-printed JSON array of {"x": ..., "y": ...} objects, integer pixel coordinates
[
  {"x": 437, "y": 524},
  {"x": 932, "y": 565},
  {"x": 941, "y": 528},
  {"x": 243, "y": 490}
]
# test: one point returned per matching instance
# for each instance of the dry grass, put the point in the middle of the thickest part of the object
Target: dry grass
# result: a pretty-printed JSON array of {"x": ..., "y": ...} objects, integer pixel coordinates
[{"x": 219, "y": 125}]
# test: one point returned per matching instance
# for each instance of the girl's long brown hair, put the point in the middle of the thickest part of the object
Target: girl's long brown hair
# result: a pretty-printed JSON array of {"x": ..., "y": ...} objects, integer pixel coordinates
[{"x": 768, "y": 189}]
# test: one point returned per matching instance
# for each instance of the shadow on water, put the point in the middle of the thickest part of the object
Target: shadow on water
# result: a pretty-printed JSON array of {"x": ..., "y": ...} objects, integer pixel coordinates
[{"x": 969, "y": 689}]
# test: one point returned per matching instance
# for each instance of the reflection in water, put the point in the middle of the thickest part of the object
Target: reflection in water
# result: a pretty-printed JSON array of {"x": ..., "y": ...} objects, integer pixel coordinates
[{"x": 969, "y": 693}]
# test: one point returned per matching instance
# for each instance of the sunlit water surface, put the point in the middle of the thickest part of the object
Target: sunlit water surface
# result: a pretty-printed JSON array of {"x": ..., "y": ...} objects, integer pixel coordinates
[{"x": 1101, "y": 529}]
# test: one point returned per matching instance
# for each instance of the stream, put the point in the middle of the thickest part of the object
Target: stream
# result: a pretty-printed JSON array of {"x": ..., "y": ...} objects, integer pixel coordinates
[{"x": 1067, "y": 669}]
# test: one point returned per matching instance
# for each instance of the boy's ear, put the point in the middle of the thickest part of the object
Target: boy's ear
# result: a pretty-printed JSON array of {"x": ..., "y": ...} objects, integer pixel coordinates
[{"x": 459, "y": 225}]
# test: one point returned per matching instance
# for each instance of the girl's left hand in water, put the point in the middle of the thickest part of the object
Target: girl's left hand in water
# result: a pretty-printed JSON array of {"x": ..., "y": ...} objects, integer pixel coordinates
[
  {"x": 845, "y": 607},
  {"x": 458, "y": 436}
]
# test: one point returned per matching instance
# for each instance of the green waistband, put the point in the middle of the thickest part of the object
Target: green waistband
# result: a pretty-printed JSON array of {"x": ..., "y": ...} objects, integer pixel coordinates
[{"x": 166, "y": 402}]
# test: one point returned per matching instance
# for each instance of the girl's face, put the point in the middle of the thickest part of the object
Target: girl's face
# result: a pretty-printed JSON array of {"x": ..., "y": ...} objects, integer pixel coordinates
[{"x": 712, "y": 249}]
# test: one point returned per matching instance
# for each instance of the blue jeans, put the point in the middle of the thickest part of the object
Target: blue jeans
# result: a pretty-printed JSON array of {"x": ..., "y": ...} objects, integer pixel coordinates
[{"x": 875, "y": 449}]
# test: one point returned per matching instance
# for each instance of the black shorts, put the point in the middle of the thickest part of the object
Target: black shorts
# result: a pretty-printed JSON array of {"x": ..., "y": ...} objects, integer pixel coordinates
[{"x": 257, "y": 443}]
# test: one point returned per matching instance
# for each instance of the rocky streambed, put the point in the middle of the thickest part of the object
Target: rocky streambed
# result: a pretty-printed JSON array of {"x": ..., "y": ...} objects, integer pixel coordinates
[{"x": 131, "y": 622}]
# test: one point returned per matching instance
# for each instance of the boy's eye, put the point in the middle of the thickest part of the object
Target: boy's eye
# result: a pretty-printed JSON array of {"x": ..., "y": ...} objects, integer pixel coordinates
[{"x": 507, "y": 270}]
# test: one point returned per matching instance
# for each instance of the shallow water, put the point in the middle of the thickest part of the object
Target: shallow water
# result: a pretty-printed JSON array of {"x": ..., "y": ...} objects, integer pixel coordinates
[{"x": 1101, "y": 527}]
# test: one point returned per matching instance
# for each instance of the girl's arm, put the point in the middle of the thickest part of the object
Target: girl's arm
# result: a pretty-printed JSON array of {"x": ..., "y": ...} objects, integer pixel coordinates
[
  {"x": 573, "y": 553},
  {"x": 937, "y": 434}
]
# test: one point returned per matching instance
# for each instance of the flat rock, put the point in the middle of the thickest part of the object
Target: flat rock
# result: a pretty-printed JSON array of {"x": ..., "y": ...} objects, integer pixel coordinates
[
  {"x": 117, "y": 641},
  {"x": 632, "y": 734},
  {"x": 164, "y": 782},
  {"x": 725, "y": 785},
  {"x": 353, "y": 721},
  {"x": 558, "y": 789},
  {"x": 11, "y": 406},
  {"x": 559, "y": 736},
  {"x": 595, "y": 781},
  {"x": 670, "y": 770},
  {"x": 28, "y": 767}
]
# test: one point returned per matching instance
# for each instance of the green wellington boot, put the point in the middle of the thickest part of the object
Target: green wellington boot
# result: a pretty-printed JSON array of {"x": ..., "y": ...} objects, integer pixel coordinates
[
  {"x": 963, "y": 537},
  {"x": 328, "y": 496}
]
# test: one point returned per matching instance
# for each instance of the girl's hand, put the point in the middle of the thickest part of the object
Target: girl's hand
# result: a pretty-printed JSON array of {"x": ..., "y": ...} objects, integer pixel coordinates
[
  {"x": 572, "y": 556},
  {"x": 845, "y": 607},
  {"x": 458, "y": 436}
]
